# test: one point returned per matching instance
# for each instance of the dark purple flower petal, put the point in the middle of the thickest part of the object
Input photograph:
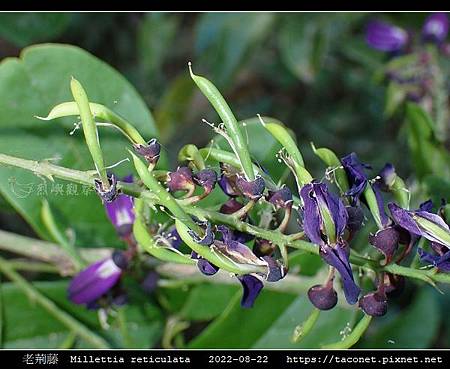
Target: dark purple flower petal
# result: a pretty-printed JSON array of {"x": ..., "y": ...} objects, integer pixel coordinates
[
  {"x": 228, "y": 186},
  {"x": 277, "y": 270},
  {"x": 94, "y": 281},
  {"x": 121, "y": 259},
  {"x": 251, "y": 189},
  {"x": 386, "y": 241},
  {"x": 174, "y": 238},
  {"x": 393, "y": 284},
  {"x": 230, "y": 207},
  {"x": 323, "y": 297},
  {"x": 149, "y": 151},
  {"x": 121, "y": 212},
  {"x": 281, "y": 198},
  {"x": 110, "y": 194},
  {"x": 380, "y": 204},
  {"x": 385, "y": 37},
  {"x": 355, "y": 218},
  {"x": 206, "y": 178},
  {"x": 356, "y": 175},
  {"x": 311, "y": 215},
  {"x": 207, "y": 239},
  {"x": 206, "y": 267},
  {"x": 374, "y": 304},
  {"x": 181, "y": 180},
  {"x": 414, "y": 222},
  {"x": 435, "y": 28},
  {"x": 338, "y": 258},
  {"x": 252, "y": 286}
]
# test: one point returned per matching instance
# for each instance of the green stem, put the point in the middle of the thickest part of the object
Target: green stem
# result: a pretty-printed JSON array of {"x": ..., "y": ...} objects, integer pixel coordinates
[
  {"x": 47, "y": 169},
  {"x": 304, "y": 328},
  {"x": 353, "y": 337},
  {"x": 66, "y": 319}
]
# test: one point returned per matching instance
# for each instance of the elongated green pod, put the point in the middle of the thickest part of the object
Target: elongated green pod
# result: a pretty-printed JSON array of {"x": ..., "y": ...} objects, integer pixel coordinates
[
  {"x": 215, "y": 257},
  {"x": 353, "y": 337},
  {"x": 70, "y": 108},
  {"x": 89, "y": 129},
  {"x": 372, "y": 204},
  {"x": 400, "y": 192},
  {"x": 220, "y": 105},
  {"x": 330, "y": 159},
  {"x": 281, "y": 134},
  {"x": 165, "y": 198},
  {"x": 303, "y": 329},
  {"x": 148, "y": 243}
]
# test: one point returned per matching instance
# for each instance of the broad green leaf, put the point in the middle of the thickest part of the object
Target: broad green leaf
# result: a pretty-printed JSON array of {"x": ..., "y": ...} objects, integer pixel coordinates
[
  {"x": 413, "y": 327},
  {"x": 32, "y": 85},
  {"x": 207, "y": 301},
  {"x": 23, "y": 29},
  {"x": 223, "y": 40},
  {"x": 241, "y": 328},
  {"x": 329, "y": 328}
]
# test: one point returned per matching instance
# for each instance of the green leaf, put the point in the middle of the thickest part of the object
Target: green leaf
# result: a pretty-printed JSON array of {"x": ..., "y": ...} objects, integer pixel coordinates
[
  {"x": 32, "y": 85},
  {"x": 23, "y": 29},
  {"x": 28, "y": 325},
  {"x": 224, "y": 39},
  {"x": 237, "y": 327},
  {"x": 207, "y": 301},
  {"x": 414, "y": 327},
  {"x": 326, "y": 330},
  {"x": 428, "y": 155},
  {"x": 304, "y": 43}
]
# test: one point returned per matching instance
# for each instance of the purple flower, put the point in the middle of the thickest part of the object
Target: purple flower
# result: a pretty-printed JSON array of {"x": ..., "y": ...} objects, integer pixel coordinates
[
  {"x": 181, "y": 180},
  {"x": 325, "y": 216},
  {"x": 204, "y": 265},
  {"x": 338, "y": 257},
  {"x": 374, "y": 303},
  {"x": 281, "y": 198},
  {"x": 121, "y": 212},
  {"x": 95, "y": 281},
  {"x": 435, "y": 28},
  {"x": 149, "y": 151},
  {"x": 207, "y": 179},
  {"x": 386, "y": 241},
  {"x": 386, "y": 37},
  {"x": 422, "y": 223},
  {"x": 252, "y": 287},
  {"x": 356, "y": 174},
  {"x": 387, "y": 177},
  {"x": 441, "y": 258},
  {"x": 251, "y": 189}
]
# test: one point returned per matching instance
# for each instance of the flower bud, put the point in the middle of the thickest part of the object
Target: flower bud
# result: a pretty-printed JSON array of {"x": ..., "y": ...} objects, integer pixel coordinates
[
  {"x": 386, "y": 241},
  {"x": 251, "y": 189},
  {"x": 230, "y": 207},
  {"x": 120, "y": 259},
  {"x": 374, "y": 304},
  {"x": 435, "y": 28},
  {"x": 150, "y": 151},
  {"x": 323, "y": 297}
]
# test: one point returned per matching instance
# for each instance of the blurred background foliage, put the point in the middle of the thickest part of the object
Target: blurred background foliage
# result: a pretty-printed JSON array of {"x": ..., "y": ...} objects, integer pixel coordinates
[{"x": 312, "y": 71}]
